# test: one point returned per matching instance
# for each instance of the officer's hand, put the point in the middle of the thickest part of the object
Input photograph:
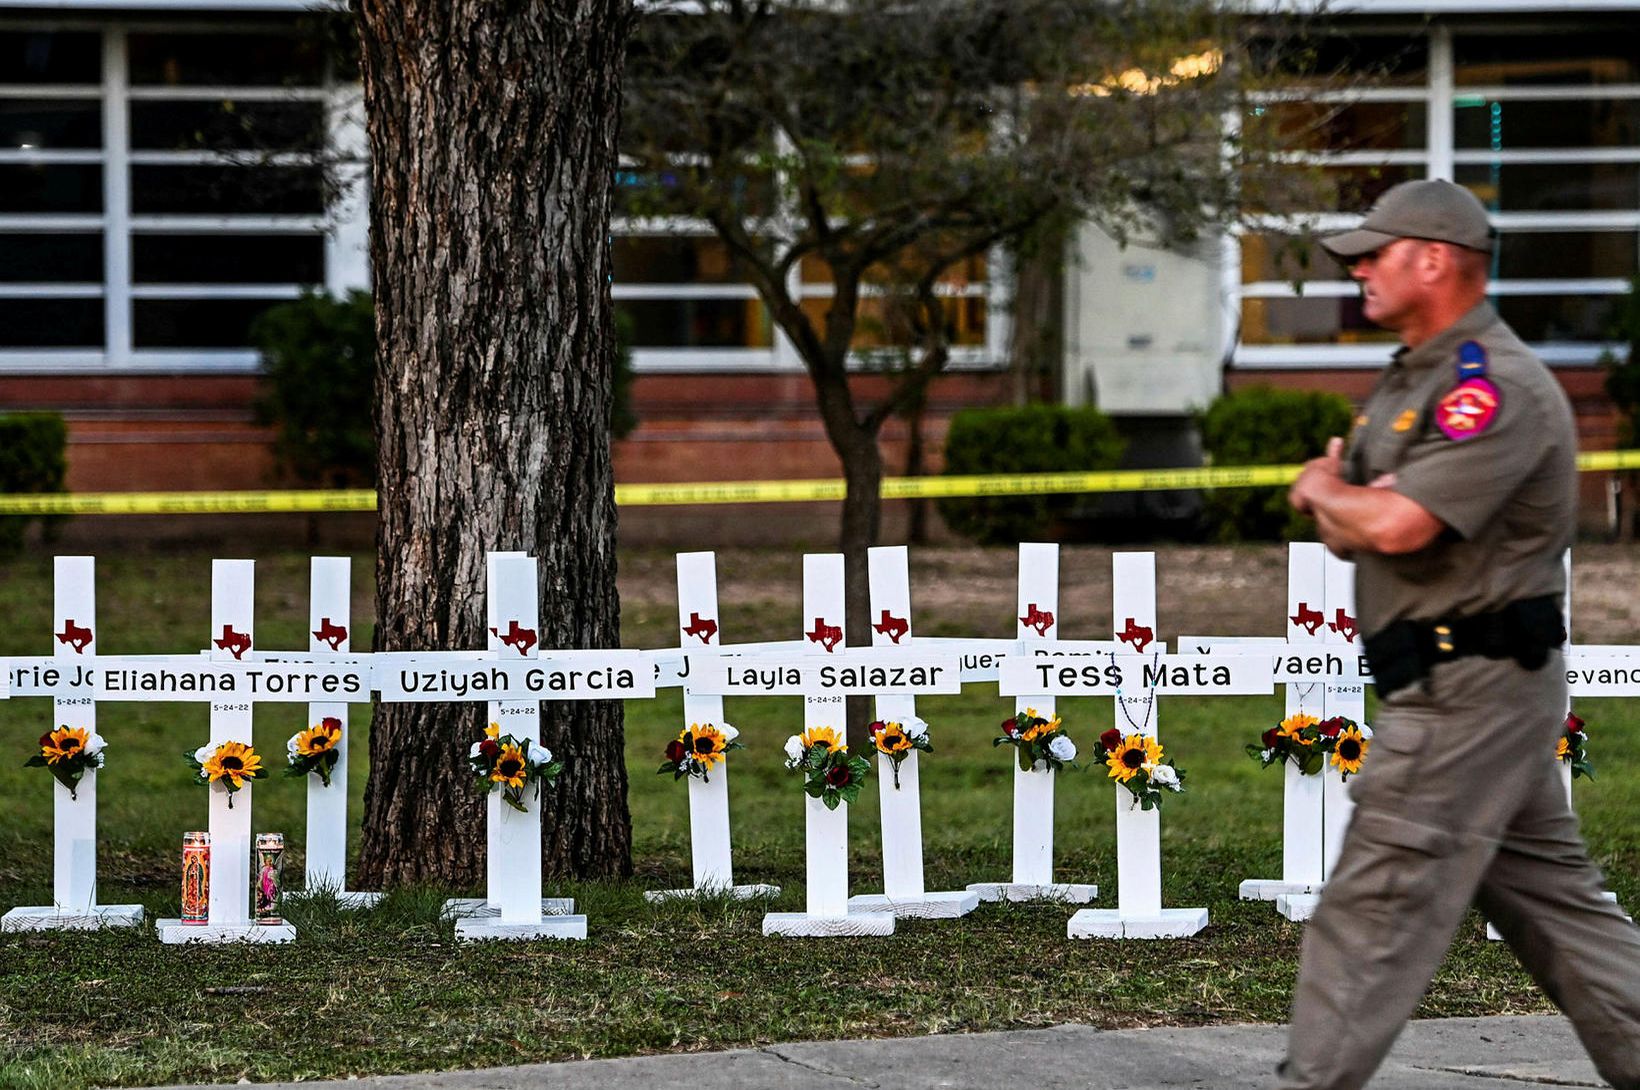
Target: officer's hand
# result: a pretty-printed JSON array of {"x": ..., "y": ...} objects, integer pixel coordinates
[{"x": 1329, "y": 465}]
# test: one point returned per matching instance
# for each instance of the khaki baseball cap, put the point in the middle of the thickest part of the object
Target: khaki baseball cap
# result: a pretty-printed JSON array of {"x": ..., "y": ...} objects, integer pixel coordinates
[{"x": 1433, "y": 210}]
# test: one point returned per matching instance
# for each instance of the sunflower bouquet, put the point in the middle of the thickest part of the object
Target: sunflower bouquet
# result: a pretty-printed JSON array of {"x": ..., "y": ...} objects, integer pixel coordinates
[
  {"x": 698, "y": 749},
  {"x": 1573, "y": 747},
  {"x": 1136, "y": 762},
  {"x": 1297, "y": 738},
  {"x": 829, "y": 773},
  {"x": 511, "y": 763},
  {"x": 231, "y": 764},
  {"x": 894, "y": 740},
  {"x": 68, "y": 752},
  {"x": 1037, "y": 739},
  {"x": 315, "y": 750},
  {"x": 1346, "y": 743}
]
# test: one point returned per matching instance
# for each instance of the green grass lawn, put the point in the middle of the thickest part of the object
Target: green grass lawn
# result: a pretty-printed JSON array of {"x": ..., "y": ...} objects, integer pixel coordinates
[{"x": 388, "y": 990}]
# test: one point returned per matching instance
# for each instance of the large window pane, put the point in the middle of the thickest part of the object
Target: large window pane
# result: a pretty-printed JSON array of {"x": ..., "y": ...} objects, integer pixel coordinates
[
  {"x": 1308, "y": 321},
  {"x": 880, "y": 325},
  {"x": 661, "y": 192},
  {"x": 1586, "y": 123},
  {"x": 50, "y": 187},
  {"x": 1513, "y": 60},
  {"x": 44, "y": 56},
  {"x": 1396, "y": 59},
  {"x": 50, "y": 123},
  {"x": 1559, "y": 317},
  {"x": 1540, "y": 255},
  {"x": 227, "y": 124},
  {"x": 1553, "y": 187},
  {"x": 1334, "y": 126},
  {"x": 697, "y": 323},
  {"x": 674, "y": 260},
  {"x": 224, "y": 60},
  {"x": 227, "y": 259},
  {"x": 1286, "y": 257},
  {"x": 51, "y": 323},
  {"x": 51, "y": 258},
  {"x": 209, "y": 190},
  {"x": 195, "y": 323}
]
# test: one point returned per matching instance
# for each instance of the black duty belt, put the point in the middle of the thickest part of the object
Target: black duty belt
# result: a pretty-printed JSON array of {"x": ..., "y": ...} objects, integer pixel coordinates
[{"x": 1403, "y": 653}]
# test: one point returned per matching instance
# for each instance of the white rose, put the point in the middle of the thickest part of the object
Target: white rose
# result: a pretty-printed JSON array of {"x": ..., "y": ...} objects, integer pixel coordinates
[
  {"x": 472, "y": 752},
  {"x": 1165, "y": 776},
  {"x": 540, "y": 755},
  {"x": 729, "y": 732},
  {"x": 203, "y": 753},
  {"x": 290, "y": 748},
  {"x": 1062, "y": 748},
  {"x": 915, "y": 728},
  {"x": 94, "y": 745},
  {"x": 794, "y": 748},
  {"x": 1366, "y": 731}
]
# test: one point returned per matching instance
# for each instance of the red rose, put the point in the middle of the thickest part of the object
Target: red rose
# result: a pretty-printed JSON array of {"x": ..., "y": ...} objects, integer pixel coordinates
[
  {"x": 675, "y": 750},
  {"x": 489, "y": 748},
  {"x": 330, "y": 722},
  {"x": 1111, "y": 739},
  {"x": 1331, "y": 728},
  {"x": 837, "y": 776},
  {"x": 1270, "y": 738},
  {"x": 876, "y": 725},
  {"x": 1010, "y": 727},
  {"x": 45, "y": 739},
  {"x": 1574, "y": 725}
]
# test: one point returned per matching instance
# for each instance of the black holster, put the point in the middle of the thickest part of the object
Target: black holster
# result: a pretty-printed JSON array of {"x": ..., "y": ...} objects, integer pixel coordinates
[{"x": 1403, "y": 653}]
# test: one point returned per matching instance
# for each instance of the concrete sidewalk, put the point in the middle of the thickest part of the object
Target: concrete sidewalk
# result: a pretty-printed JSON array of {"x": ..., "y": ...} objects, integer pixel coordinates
[{"x": 1505, "y": 1053}]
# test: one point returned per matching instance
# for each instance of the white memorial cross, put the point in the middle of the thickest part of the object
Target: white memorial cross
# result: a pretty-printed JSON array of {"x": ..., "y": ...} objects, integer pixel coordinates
[
  {"x": 1343, "y": 695},
  {"x": 709, "y": 850},
  {"x": 330, "y": 633},
  {"x": 228, "y": 917},
  {"x": 495, "y": 857},
  {"x": 515, "y": 871},
  {"x": 900, "y": 797},
  {"x": 825, "y": 831},
  {"x": 74, "y": 839},
  {"x": 1139, "y": 913},
  {"x": 1037, "y": 616}
]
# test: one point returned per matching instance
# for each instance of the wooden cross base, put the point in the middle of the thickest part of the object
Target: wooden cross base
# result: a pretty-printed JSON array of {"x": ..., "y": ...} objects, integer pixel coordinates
[
  {"x": 1107, "y": 923},
  {"x": 803, "y": 925},
  {"x": 480, "y": 929},
  {"x": 49, "y": 918},
  {"x": 926, "y": 906},
  {"x": 1069, "y": 892},
  {"x": 175, "y": 932},
  {"x": 734, "y": 893},
  {"x": 461, "y": 908},
  {"x": 1270, "y": 889}
]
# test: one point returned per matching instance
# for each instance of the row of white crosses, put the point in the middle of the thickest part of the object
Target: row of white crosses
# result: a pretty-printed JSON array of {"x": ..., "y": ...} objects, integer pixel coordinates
[{"x": 513, "y": 906}]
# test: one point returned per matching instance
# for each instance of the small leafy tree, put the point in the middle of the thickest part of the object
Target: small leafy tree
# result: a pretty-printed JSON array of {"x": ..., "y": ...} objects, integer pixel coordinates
[{"x": 319, "y": 361}]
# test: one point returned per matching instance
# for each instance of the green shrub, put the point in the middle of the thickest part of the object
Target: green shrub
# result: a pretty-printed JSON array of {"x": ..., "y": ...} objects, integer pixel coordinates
[
  {"x": 319, "y": 361},
  {"x": 33, "y": 458},
  {"x": 1028, "y": 439},
  {"x": 1264, "y": 426}
]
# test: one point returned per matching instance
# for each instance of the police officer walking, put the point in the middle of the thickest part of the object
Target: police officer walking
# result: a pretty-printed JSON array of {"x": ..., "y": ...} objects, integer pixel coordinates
[{"x": 1456, "y": 499}]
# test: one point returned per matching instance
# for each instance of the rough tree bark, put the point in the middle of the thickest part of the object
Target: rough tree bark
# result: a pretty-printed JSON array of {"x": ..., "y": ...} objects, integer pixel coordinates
[{"x": 492, "y": 137}]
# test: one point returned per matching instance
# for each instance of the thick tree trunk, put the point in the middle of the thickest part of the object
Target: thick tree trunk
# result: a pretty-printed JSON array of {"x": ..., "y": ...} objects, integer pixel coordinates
[{"x": 492, "y": 135}]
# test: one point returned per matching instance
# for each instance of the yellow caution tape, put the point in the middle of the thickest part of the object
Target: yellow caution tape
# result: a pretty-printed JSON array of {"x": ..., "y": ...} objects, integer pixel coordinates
[{"x": 654, "y": 495}]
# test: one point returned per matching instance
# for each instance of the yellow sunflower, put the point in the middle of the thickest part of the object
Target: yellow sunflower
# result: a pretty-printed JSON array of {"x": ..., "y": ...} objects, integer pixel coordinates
[
  {"x": 510, "y": 767},
  {"x": 708, "y": 745},
  {"x": 1562, "y": 748},
  {"x": 1350, "y": 751},
  {"x": 234, "y": 762},
  {"x": 66, "y": 742},
  {"x": 824, "y": 736},
  {"x": 1135, "y": 752},
  {"x": 891, "y": 739},
  {"x": 1040, "y": 730},
  {"x": 1293, "y": 724},
  {"x": 319, "y": 739}
]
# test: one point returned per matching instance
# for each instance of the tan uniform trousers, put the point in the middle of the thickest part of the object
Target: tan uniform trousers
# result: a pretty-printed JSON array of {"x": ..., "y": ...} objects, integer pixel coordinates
[{"x": 1459, "y": 802}]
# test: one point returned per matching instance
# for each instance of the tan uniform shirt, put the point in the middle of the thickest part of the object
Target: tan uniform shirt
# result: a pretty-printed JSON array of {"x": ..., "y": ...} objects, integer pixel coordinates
[{"x": 1507, "y": 493}]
